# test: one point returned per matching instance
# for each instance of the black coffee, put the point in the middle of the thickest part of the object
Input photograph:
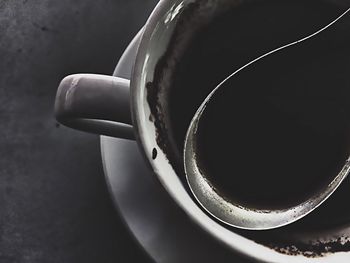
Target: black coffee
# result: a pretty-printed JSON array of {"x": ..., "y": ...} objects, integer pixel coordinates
[
  {"x": 202, "y": 52},
  {"x": 279, "y": 130}
]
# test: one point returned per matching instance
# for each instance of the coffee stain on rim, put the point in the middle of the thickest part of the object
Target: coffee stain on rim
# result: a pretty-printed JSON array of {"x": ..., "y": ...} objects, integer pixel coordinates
[
  {"x": 312, "y": 250},
  {"x": 155, "y": 88}
]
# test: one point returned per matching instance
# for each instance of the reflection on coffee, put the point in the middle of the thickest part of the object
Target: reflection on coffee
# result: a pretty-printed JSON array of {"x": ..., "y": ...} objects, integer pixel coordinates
[{"x": 279, "y": 130}]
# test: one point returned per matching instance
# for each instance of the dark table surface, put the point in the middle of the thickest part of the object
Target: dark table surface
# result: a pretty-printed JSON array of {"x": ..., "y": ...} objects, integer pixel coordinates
[{"x": 54, "y": 204}]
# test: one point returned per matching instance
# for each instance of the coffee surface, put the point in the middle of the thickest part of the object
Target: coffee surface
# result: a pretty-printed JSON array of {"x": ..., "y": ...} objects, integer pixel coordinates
[
  {"x": 278, "y": 131},
  {"x": 202, "y": 52}
]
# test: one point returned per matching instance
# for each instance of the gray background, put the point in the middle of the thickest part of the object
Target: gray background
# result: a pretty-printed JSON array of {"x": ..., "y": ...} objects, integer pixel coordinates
[{"x": 54, "y": 205}]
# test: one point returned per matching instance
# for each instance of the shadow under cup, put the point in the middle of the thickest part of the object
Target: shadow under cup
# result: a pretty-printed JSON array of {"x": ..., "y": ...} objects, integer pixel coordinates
[{"x": 211, "y": 42}]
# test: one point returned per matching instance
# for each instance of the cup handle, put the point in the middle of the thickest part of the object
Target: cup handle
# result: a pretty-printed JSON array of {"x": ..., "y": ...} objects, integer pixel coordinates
[{"x": 97, "y": 104}]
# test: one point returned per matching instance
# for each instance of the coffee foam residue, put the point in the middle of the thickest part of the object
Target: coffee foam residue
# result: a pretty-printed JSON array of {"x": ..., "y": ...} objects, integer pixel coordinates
[
  {"x": 193, "y": 17},
  {"x": 157, "y": 91},
  {"x": 313, "y": 250}
]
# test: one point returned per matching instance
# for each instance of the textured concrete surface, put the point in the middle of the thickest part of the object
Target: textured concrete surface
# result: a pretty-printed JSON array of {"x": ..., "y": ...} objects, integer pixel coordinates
[{"x": 54, "y": 205}]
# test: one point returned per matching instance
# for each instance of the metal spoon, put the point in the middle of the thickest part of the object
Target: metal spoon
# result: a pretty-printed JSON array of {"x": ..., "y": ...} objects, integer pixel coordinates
[{"x": 239, "y": 214}]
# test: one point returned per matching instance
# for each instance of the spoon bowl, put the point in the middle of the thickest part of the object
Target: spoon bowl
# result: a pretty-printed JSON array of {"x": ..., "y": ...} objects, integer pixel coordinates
[{"x": 270, "y": 189}]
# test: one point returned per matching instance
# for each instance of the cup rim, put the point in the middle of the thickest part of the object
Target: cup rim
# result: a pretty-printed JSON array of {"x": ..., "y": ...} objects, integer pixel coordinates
[{"x": 179, "y": 194}]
